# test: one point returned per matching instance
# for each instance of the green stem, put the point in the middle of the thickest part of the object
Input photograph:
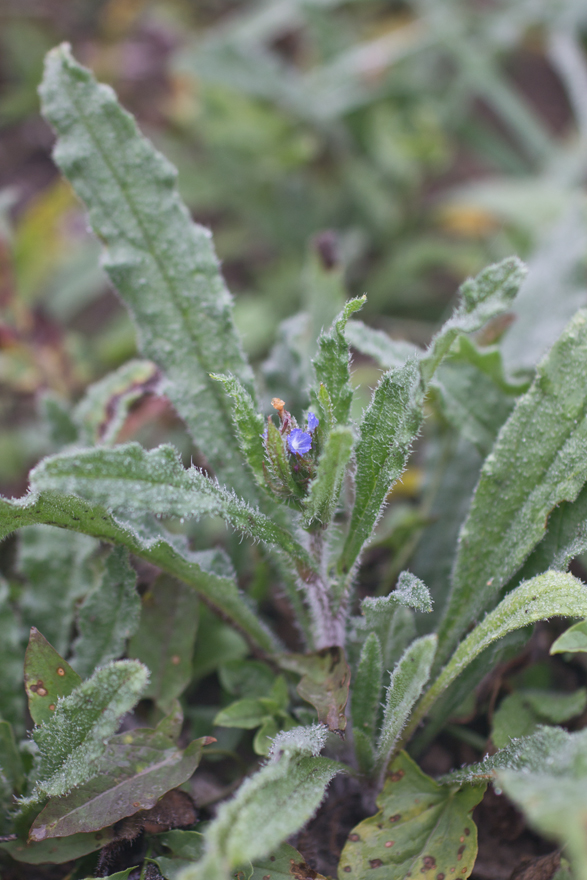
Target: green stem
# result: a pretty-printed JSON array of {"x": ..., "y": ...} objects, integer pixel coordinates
[{"x": 146, "y": 862}]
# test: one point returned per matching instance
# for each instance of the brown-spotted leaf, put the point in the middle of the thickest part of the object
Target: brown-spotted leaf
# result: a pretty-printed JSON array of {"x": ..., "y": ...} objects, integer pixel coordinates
[
  {"x": 46, "y": 677},
  {"x": 286, "y": 863},
  {"x": 324, "y": 683},
  {"x": 422, "y": 830}
]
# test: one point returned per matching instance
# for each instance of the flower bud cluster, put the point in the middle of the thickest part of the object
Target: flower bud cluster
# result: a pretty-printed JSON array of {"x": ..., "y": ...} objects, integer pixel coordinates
[{"x": 290, "y": 453}]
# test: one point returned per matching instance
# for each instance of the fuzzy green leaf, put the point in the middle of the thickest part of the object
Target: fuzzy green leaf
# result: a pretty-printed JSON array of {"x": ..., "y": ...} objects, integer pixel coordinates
[
  {"x": 57, "y": 851},
  {"x": 186, "y": 847},
  {"x": 247, "y": 714},
  {"x": 407, "y": 683},
  {"x": 324, "y": 683},
  {"x": 554, "y": 796},
  {"x": 47, "y": 677},
  {"x": 365, "y": 699},
  {"x": 422, "y": 829},
  {"x": 470, "y": 400},
  {"x": 460, "y": 697},
  {"x": 108, "y": 617},
  {"x": 269, "y": 806},
  {"x": 131, "y": 479},
  {"x": 522, "y": 712},
  {"x": 573, "y": 640},
  {"x": 59, "y": 571},
  {"x": 529, "y": 754},
  {"x": 387, "y": 352},
  {"x": 102, "y": 411},
  {"x": 162, "y": 264},
  {"x": 539, "y": 460},
  {"x": 553, "y": 594},
  {"x": 412, "y": 592},
  {"x": 12, "y": 701},
  {"x": 249, "y": 424},
  {"x": 206, "y": 572},
  {"x": 56, "y": 414},
  {"x": 325, "y": 487},
  {"x": 165, "y": 639},
  {"x": 512, "y": 720},
  {"x": 389, "y": 426},
  {"x": 490, "y": 294},
  {"x": 456, "y": 464},
  {"x": 391, "y": 622},
  {"x": 10, "y": 759},
  {"x": 565, "y": 539},
  {"x": 246, "y": 678},
  {"x": 331, "y": 364},
  {"x": 137, "y": 768},
  {"x": 554, "y": 706},
  {"x": 73, "y": 739}
]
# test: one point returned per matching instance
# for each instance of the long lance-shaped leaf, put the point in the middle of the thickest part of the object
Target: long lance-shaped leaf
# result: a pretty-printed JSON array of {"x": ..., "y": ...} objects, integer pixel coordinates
[
  {"x": 133, "y": 480},
  {"x": 565, "y": 539},
  {"x": 101, "y": 412},
  {"x": 249, "y": 425},
  {"x": 553, "y": 594},
  {"x": 365, "y": 696},
  {"x": 528, "y": 754},
  {"x": 58, "y": 568},
  {"x": 73, "y": 739},
  {"x": 165, "y": 639},
  {"x": 136, "y": 769},
  {"x": 162, "y": 264},
  {"x": 388, "y": 429},
  {"x": 206, "y": 572},
  {"x": 269, "y": 806},
  {"x": 554, "y": 794},
  {"x": 489, "y": 294},
  {"x": 108, "y": 617},
  {"x": 387, "y": 352},
  {"x": 407, "y": 683},
  {"x": 538, "y": 461},
  {"x": 332, "y": 363},
  {"x": 325, "y": 488}
]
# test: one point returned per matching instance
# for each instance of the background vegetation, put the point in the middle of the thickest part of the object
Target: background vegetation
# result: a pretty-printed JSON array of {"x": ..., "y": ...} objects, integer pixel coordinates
[{"x": 395, "y": 148}]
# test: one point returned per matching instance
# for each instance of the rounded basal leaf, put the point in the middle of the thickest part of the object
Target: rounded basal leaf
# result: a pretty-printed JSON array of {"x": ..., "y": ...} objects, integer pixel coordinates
[
  {"x": 422, "y": 830},
  {"x": 571, "y": 641}
]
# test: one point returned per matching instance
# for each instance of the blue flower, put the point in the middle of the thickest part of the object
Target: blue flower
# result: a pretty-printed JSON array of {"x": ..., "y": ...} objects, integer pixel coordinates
[
  {"x": 312, "y": 422},
  {"x": 299, "y": 442}
]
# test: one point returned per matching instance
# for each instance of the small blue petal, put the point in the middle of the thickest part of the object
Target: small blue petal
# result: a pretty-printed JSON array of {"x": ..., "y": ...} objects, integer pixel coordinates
[
  {"x": 299, "y": 442},
  {"x": 312, "y": 422}
]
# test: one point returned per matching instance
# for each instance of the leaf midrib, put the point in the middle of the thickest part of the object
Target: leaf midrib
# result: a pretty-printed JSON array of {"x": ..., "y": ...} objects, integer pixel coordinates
[{"x": 149, "y": 249}]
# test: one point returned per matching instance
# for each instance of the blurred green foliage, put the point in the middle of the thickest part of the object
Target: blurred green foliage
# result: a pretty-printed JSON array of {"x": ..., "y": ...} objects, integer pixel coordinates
[{"x": 406, "y": 144}]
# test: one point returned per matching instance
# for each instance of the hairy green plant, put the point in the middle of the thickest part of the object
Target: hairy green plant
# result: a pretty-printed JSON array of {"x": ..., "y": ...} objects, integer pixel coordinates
[{"x": 309, "y": 489}]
